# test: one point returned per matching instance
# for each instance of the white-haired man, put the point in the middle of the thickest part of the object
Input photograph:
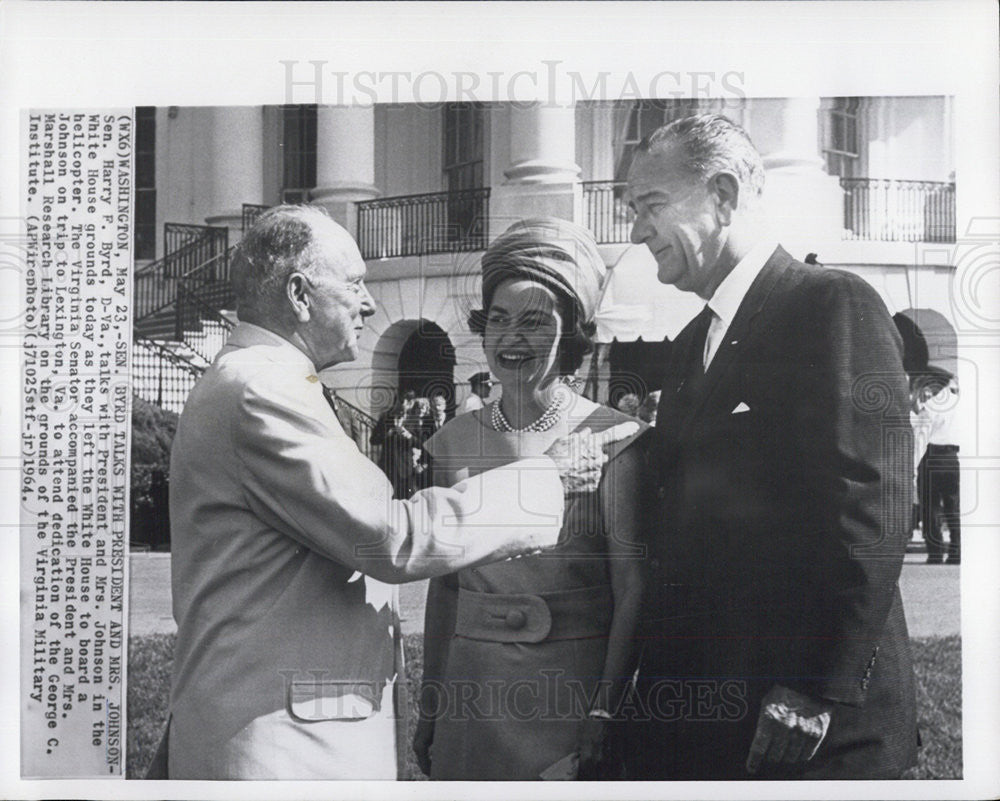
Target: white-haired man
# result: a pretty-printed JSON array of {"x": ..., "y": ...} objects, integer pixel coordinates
[
  {"x": 282, "y": 532},
  {"x": 775, "y": 641}
]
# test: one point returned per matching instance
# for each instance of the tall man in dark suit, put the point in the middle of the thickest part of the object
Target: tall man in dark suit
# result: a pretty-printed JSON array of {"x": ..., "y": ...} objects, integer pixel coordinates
[{"x": 775, "y": 643}]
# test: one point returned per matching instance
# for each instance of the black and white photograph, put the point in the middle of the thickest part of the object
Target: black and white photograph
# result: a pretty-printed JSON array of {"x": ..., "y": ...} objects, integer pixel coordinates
[{"x": 595, "y": 411}]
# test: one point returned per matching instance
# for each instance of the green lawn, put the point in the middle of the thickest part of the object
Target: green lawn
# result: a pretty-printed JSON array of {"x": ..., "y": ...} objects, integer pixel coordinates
[{"x": 937, "y": 662}]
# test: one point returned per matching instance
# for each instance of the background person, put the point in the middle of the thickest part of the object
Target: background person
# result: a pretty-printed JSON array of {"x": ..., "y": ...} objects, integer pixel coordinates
[
  {"x": 936, "y": 456},
  {"x": 397, "y": 453},
  {"x": 419, "y": 423},
  {"x": 544, "y": 641},
  {"x": 439, "y": 411},
  {"x": 481, "y": 385}
]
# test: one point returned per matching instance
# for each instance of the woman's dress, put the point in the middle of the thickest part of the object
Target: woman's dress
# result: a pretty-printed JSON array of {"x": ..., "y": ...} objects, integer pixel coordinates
[{"x": 530, "y": 634}]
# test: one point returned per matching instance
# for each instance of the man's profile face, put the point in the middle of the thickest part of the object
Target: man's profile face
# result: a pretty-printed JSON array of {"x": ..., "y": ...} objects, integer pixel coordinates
[
  {"x": 338, "y": 300},
  {"x": 675, "y": 217}
]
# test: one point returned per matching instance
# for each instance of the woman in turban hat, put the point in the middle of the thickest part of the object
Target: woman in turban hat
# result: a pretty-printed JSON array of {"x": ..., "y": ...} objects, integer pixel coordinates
[{"x": 526, "y": 661}]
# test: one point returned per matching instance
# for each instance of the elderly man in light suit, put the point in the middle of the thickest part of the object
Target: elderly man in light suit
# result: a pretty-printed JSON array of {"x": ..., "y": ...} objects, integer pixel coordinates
[{"x": 282, "y": 532}]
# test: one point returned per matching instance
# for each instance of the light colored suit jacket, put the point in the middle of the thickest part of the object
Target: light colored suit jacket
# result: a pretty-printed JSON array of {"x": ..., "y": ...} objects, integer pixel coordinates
[{"x": 281, "y": 534}]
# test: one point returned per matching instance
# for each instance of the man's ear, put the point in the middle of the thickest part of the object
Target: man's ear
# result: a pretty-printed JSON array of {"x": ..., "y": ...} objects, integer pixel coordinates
[
  {"x": 297, "y": 291},
  {"x": 726, "y": 189}
]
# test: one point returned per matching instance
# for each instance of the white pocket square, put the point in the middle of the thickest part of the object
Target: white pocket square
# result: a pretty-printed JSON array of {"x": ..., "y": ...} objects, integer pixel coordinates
[{"x": 740, "y": 408}]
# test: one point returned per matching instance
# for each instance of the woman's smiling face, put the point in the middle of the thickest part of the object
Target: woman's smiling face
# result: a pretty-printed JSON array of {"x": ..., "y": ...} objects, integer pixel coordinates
[{"x": 523, "y": 328}]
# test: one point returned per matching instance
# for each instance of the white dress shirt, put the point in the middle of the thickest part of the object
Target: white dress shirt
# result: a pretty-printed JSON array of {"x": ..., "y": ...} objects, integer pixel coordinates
[
  {"x": 932, "y": 425},
  {"x": 730, "y": 293}
]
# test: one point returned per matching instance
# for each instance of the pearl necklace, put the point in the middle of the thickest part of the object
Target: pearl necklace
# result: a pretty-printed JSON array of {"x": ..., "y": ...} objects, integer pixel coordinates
[{"x": 548, "y": 419}]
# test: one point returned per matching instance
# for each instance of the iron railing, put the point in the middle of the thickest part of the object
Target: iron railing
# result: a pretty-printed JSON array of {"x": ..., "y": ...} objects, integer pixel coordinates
[
  {"x": 605, "y": 211},
  {"x": 204, "y": 290},
  {"x": 251, "y": 211},
  {"x": 176, "y": 235},
  {"x": 358, "y": 425},
  {"x": 164, "y": 377},
  {"x": 874, "y": 209},
  {"x": 882, "y": 210},
  {"x": 155, "y": 285},
  {"x": 417, "y": 225},
  {"x": 161, "y": 376},
  {"x": 212, "y": 241},
  {"x": 204, "y": 329}
]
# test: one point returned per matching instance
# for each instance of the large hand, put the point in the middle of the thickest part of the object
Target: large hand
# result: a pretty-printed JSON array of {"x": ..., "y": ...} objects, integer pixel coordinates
[
  {"x": 790, "y": 728},
  {"x": 580, "y": 457},
  {"x": 592, "y": 745},
  {"x": 422, "y": 740}
]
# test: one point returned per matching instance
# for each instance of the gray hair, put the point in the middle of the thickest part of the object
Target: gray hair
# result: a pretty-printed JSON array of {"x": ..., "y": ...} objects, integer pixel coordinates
[
  {"x": 280, "y": 242},
  {"x": 711, "y": 143}
]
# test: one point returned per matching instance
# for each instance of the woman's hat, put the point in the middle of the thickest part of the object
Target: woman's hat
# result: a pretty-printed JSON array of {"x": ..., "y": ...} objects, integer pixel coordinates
[{"x": 557, "y": 253}]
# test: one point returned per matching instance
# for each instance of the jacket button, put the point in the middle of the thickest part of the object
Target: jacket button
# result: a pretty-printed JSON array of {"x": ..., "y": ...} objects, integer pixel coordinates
[
  {"x": 654, "y": 563},
  {"x": 516, "y": 619},
  {"x": 661, "y": 492}
]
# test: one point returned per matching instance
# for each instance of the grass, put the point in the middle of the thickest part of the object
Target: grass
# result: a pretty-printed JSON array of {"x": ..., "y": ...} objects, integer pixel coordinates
[
  {"x": 149, "y": 661},
  {"x": 937, "y": 663}
]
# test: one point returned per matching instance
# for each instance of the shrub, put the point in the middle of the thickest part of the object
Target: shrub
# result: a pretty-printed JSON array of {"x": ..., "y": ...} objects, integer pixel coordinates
[{"x": 153, "y": 431}]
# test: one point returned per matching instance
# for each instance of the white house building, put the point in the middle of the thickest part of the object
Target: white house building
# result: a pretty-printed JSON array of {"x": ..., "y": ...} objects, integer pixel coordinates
[{"x": 865, "y": 184}]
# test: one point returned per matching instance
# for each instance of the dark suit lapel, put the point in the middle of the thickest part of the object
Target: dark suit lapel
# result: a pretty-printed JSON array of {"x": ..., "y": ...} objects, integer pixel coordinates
[
  {"x": 738, "y": 332},
  {"x": 669, "y": 410}
]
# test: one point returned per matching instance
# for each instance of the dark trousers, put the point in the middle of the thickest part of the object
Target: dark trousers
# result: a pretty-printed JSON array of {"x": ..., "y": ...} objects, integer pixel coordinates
[{"x": 938, "y": 486}]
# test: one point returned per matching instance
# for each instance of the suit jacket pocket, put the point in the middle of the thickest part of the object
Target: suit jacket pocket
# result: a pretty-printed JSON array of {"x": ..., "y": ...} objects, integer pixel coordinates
[{"x": 314, "y": 701}]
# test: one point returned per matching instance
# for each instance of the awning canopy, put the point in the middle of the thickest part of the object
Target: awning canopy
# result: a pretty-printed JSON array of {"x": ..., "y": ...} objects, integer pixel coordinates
[{"x": 635, "y": 304}]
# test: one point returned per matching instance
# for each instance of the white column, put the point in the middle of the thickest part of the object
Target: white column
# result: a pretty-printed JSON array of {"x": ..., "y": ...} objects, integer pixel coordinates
[
  {"x": 236, "y": 145},
  {"x": 542, "y": 145},
  {"x": 805, "y": 205},
  {"x": 345, "y": 161},
  {"x": 542, "y": 177}
]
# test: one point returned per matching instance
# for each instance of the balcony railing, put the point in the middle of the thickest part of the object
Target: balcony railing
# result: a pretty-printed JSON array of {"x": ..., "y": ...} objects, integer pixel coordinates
[
  {"x": 881, "y": 210},
  {"x": 875, "y": 209},
  {"x": 251, "y": 211},
  {"x": 605, "y": 211},
  {"x": 417, "y": 225}
]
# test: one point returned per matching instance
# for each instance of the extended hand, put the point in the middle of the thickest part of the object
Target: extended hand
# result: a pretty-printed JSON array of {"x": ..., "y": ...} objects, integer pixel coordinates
[
  {"x": 790, "y": 728},
  {"x": 580, "y": 457}
]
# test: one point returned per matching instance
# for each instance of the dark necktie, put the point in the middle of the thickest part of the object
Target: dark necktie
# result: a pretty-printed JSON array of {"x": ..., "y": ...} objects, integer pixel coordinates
[{"x": 702, "y": 322}]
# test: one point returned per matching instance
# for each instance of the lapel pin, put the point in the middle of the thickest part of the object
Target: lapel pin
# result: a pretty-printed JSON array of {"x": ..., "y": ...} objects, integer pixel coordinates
[{"x": 312, "y": 378}]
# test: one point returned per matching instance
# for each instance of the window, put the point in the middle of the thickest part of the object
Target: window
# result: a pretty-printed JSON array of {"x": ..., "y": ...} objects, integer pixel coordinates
[
  {"x": 463, "y": 146},
  {"x": 298, "y": 148},
  {"x": 841, "y": 137},
  {"x": 637, "y": 119},
  {"x": 144, "y": 234},
  {"x": 462, "y": 163}
]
